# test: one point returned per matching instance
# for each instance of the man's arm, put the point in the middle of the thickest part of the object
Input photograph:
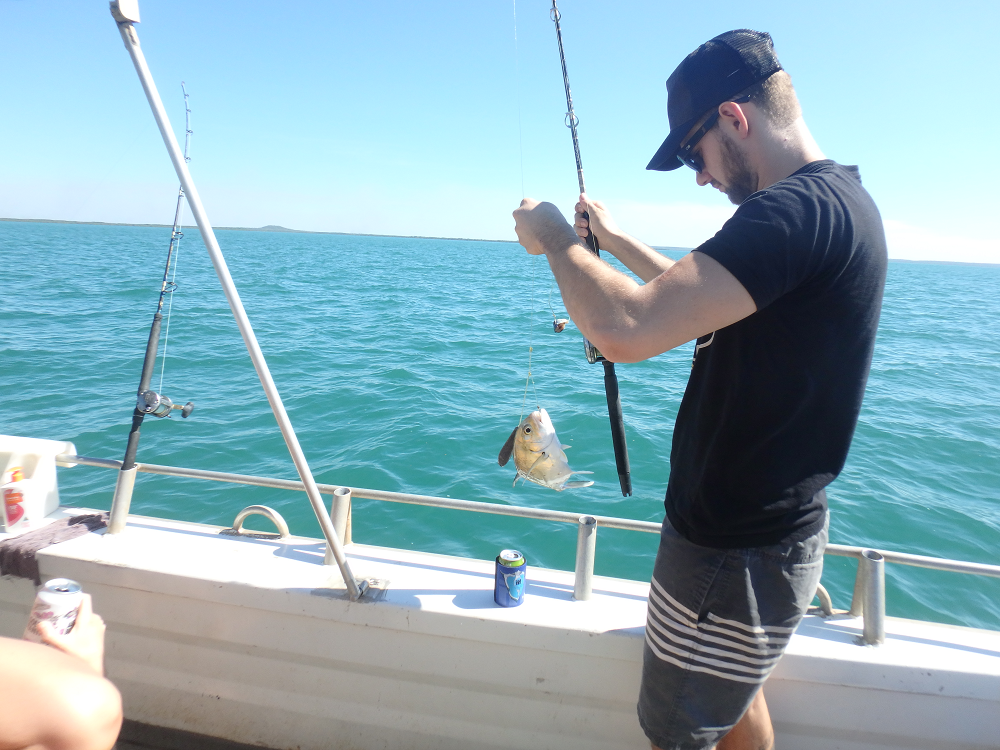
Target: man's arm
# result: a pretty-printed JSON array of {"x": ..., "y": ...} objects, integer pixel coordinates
[
  {"x": 627, "y": 321},
  {"x": 636, "y": 256}
]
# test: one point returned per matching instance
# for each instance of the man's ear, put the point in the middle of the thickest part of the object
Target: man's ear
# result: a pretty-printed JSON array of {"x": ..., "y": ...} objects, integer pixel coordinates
[{"x": 733, "y": 117}]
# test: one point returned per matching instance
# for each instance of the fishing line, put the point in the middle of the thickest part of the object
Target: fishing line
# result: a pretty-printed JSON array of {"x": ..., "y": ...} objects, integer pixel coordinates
[
  {"x": 173, "y": 254},
  {"x": 529, "y": 379},
  {"x": 175, "y": 236},
  {"x": 531, "y": 326},
  {"x": 517, "y": 89}
]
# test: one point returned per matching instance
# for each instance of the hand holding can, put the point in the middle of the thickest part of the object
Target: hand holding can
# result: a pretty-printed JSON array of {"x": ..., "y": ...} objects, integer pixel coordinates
[{"x": 63, "y": 617}]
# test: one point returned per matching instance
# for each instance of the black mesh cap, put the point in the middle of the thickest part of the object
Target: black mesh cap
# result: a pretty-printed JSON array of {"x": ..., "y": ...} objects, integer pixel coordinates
[{"x": 712, "y": 74}]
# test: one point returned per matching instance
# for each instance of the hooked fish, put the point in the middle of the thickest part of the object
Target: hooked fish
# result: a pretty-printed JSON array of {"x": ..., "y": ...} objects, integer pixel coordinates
[{"x": 538, "y": 455}]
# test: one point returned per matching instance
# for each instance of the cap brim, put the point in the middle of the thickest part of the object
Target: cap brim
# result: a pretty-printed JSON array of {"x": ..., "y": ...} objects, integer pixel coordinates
[{"x": 665, "y": 159}]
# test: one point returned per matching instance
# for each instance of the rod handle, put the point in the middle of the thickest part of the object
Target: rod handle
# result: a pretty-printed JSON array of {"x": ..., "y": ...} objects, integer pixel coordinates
[
  {"x": 591, "y": 238},
  {"x": 617, "y": 428}
]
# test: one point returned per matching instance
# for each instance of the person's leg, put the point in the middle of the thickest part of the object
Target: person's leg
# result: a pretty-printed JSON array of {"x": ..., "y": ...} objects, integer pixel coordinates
[
  {"x": 54, "y": 701},
  {"x": 700, "y": 672},
  {"x": 753, "y": 731},
  {"x": 718, "y": 621}
]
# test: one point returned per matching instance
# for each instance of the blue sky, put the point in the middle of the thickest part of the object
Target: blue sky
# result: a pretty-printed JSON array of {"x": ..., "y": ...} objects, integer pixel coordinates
[{"x": 403, "y": 118}]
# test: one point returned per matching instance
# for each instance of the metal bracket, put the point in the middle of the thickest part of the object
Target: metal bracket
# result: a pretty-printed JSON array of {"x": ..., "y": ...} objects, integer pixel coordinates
[
  {"x": 258, "y": 510},
  {"x": 825, "y": 602}
]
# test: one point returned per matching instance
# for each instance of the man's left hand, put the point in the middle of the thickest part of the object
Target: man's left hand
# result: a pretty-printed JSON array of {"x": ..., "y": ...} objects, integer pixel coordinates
[{"x": 541, "y": 227}]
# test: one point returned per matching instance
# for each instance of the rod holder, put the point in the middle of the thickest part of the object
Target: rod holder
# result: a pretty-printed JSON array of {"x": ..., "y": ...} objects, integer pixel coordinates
[
  {"x": 586, "y": 549},
  {"x": 122, "y": 500},
  {"x": 858, "y": 597},
  {"x": 871, "y": 571},
  {"x": 340, "y": 514}
]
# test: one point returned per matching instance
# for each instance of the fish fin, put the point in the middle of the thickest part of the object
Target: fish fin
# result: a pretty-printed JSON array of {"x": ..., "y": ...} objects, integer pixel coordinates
[
  {"x": 508, "y": 448},
  {"x": 565, "y": 447},
  {"x": 527, "y": 474},
  {"x": 583, "y": 472},
  {"x": 571, "y": 485}
]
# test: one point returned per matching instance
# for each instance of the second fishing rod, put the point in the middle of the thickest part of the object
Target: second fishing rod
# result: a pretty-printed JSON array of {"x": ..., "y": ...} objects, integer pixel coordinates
[{"x": 593, "y": 355}]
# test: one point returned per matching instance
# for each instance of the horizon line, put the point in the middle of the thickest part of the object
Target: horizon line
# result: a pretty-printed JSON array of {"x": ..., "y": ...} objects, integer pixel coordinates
[{"x": 280, "y": 229}]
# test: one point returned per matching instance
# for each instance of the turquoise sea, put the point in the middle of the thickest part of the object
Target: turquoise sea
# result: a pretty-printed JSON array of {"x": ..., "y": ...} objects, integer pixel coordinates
[{"x": 402, "y": 364}]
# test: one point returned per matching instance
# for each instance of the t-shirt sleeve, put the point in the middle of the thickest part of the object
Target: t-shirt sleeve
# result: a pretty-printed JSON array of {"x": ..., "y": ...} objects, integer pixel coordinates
[{"x": 761, "y": 245}]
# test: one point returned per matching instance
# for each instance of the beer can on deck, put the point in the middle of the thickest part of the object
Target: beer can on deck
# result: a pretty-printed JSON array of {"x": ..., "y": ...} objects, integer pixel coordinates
[
  {"x": 58, "y": 601},
  {"x": 510, "y": 579}
]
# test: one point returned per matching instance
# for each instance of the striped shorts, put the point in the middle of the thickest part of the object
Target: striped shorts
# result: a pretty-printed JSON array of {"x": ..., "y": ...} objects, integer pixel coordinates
[{"x": 717, "y": 623}]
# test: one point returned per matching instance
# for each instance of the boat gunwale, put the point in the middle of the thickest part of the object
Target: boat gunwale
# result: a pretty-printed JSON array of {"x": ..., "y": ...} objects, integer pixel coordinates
[{"x": 543, "y": 514}]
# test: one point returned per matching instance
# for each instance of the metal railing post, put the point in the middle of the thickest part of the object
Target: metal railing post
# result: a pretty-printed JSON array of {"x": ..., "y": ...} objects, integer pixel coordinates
[
  {"x": 340, "y": 514},
  {"x": 586, "y": 549},
  {"x": 873, "y": 565}
]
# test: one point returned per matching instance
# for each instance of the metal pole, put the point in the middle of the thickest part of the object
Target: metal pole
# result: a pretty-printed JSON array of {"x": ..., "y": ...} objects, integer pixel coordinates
[
  {"x": 124, "y": 18},
  {"x": 586, "y": 550},
  {"x": 873, "y": 565}
]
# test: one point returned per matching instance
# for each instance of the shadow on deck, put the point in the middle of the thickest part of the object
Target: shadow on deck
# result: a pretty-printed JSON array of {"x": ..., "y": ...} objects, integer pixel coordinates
[{"x": 136, "y": 736}]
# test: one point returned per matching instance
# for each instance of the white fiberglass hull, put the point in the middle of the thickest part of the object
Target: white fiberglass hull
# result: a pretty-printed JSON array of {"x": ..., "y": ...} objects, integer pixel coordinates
[{"x": 256, "y": 641}]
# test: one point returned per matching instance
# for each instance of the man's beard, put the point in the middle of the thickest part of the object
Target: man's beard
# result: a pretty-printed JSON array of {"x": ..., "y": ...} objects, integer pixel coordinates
[{"x": 742, "y": 180}]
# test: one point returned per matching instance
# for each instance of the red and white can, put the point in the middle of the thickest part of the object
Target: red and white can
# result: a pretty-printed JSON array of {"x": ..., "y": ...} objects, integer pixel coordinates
[{"x": 57, "y": 602}]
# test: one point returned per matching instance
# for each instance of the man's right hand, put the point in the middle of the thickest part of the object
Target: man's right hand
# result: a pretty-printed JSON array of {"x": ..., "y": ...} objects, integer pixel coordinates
[{"x": 600, "y": 221}]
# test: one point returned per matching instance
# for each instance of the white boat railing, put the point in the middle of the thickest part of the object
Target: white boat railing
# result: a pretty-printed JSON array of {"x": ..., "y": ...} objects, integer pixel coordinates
[{"x": 869, "y": 583}]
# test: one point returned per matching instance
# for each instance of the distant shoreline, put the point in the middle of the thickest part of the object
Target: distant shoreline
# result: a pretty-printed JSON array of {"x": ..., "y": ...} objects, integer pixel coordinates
[
  {"x": 276, "y": 228},
  {"x": 268, "y": 228}
]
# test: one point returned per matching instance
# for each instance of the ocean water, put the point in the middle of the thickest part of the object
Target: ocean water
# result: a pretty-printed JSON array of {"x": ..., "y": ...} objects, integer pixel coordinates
[{"x": 402, "y": 364}]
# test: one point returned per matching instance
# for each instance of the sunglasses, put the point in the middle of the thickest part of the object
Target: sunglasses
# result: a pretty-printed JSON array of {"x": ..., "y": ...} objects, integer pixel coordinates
[{"x": 684, "y": 152}]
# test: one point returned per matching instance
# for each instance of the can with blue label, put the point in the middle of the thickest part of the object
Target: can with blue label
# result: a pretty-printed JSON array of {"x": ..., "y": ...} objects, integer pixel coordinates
[{"x": 511, "y": 575}]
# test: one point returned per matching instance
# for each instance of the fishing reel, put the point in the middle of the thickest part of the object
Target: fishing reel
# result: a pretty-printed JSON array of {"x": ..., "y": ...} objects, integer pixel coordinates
[{"x": 151, "y": 402}]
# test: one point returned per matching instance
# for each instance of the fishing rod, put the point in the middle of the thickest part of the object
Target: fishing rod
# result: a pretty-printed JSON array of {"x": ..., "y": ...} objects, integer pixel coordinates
[
  {"x": 593, "y": 355},
  {"x": 126, "y": 15},
  {"x": 149, "y": 401}
]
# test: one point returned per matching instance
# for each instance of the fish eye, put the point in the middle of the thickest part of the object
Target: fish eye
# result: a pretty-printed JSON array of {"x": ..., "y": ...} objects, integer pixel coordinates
[{"x": 527, "y": 430}]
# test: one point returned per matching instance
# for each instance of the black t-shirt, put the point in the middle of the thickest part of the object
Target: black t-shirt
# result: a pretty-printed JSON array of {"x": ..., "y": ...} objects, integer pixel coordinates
[{"x": 773, "y": 400}]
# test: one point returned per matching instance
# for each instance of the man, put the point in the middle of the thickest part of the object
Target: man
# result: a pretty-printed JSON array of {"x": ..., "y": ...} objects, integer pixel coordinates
[
  {"x": 784, "y": 304},
  {"x": 54, "y": 696}
]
